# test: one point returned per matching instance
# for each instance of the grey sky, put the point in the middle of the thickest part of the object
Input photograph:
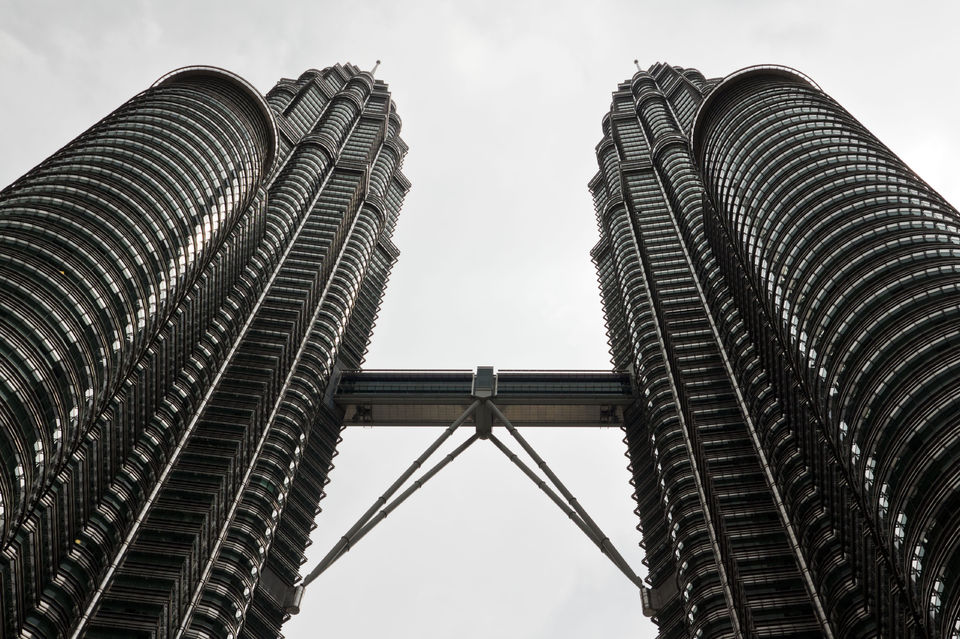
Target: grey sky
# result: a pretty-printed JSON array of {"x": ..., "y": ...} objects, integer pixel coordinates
[{"x": 501, "y": 104}]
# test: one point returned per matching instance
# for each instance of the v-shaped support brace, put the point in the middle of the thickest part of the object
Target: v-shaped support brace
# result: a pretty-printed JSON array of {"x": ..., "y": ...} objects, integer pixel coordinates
[
  {"x": 564, "y": 500},
  {"x": 371, "y": 518},
  {"x": 572, "y": 508}
]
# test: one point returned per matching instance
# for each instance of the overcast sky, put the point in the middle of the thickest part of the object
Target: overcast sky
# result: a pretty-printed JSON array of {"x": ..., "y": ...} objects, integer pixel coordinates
[{"x": 501, "y": 105}]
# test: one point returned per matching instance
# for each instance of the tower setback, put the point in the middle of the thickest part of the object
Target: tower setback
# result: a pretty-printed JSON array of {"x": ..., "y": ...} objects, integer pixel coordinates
[
  {"x": 177, "y": 286},
  {"x": 787, "y": 294}
]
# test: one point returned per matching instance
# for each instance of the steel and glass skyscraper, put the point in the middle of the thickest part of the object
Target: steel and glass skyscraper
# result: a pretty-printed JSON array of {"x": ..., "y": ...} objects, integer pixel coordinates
[
  {"x": 181, "y": 285},
  {"x": 177, "y": 287},
  {"x": 787, "y": 294}
]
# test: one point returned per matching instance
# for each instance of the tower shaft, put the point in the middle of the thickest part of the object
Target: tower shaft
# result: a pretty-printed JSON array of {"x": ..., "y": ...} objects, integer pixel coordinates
[
  {"x": 202, "y": 260},
  {"x": 780, "y": 283}
]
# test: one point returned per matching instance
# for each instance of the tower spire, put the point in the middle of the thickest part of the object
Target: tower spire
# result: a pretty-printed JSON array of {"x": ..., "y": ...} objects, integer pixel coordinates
[{"x": 374, "y": 69}]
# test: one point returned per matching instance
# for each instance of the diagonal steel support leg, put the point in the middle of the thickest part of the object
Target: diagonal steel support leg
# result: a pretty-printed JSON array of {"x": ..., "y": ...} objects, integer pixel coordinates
[
  {"x": 414, "y": 487},
  {"x": 350, "y": 537},
  {"x": 545, "y": 487},
  {"x": 577, "y": 513}
]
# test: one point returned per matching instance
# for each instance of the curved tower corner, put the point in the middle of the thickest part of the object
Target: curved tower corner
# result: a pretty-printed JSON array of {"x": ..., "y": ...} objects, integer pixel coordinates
[
  {"x": 98, "y": 246},
  {"x": 857, "y": 263}
]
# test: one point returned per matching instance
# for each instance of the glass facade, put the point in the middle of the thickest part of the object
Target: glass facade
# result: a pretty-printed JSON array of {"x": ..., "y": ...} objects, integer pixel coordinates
[
  {"x": 783, "y": 287},
  {"x": 178, "y": 284}
]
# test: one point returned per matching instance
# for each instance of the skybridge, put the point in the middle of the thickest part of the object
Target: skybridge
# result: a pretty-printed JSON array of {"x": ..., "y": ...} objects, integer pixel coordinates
[
  {"x": 480, "y": 401},
  {"x": 591, "y": 399}
]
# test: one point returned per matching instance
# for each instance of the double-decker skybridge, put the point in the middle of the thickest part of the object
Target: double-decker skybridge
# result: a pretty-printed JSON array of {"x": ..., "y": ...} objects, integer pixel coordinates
[{"x": 484, "y": 401}]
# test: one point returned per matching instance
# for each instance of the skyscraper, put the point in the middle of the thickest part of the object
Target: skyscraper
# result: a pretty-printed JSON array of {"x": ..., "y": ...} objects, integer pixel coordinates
[
  {"x": 177, "y": 286},
  {"x": 787, "y": 294}
]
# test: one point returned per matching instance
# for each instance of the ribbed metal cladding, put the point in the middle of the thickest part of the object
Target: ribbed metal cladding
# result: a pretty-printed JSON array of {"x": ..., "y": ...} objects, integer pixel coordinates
[
  {"x": 786, "y": 293},
  {"x": 733, "y": 570},
  {"x": 678, "y": 525},
  {"x": 98, "y": 246},
  {"x": 355, "y": 288},
  {"x": 186, "y": 507},
  {"x": 857, "y": 262},
  {"x": 263, "y": 442}
]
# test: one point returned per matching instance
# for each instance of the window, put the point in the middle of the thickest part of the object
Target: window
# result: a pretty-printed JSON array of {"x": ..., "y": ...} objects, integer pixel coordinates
[
  {"x": 884, "y": 501},
  {"x": 868, "y": 473},
  {"x": 900, "y": 529},
  {"x": 916, "y": 562},
  {"x": 936, "y": 596}
]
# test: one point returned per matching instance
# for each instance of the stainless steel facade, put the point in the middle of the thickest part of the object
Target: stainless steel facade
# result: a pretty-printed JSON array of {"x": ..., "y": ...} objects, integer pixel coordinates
[
  {"x": 177, "y": 286},
  {"x": 787, "y": 293}
]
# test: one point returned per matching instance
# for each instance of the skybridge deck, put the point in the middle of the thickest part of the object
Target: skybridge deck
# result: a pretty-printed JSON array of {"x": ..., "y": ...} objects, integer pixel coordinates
[{"x": 527, "y": 398}]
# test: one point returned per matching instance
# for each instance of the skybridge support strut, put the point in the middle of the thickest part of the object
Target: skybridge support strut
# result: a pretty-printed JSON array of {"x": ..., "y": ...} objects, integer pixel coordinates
[
  {"x": 485, "y": 413},
  {"x": 574, "y": 510},
  {"x": 351, "y": 536}
]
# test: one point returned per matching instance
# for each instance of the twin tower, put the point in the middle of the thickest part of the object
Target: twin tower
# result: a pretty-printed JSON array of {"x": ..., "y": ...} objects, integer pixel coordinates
[{"x": 186, "y": 285}]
